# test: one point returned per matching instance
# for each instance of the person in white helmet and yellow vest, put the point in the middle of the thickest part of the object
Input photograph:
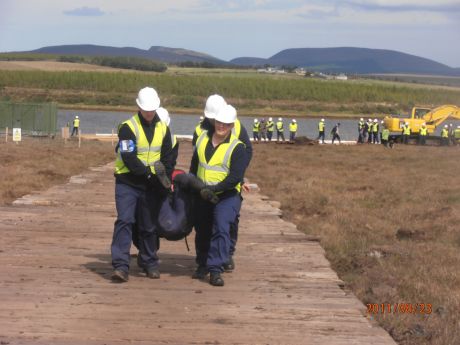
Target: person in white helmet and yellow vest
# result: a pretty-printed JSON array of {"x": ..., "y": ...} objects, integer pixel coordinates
[
  {"x": 219, "y": 161},
  {"x": 76, "y": 126},
  {"x": 143, "y": 170},
  {"x": 292, "y": 130}
]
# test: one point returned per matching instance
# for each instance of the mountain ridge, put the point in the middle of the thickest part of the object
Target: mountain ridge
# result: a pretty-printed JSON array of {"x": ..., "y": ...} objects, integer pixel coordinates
[{"x": 350, "y": 60}]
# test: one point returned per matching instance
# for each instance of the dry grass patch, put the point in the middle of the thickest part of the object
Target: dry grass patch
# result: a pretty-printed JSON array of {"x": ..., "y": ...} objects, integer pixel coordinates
[
  {"x": 37, "y": 164},
  {"x": 388, "y": 220}
]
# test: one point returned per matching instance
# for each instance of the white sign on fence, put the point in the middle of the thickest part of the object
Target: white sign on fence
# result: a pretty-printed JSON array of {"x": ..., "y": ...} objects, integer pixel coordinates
[{"x": 16, "y": 134}]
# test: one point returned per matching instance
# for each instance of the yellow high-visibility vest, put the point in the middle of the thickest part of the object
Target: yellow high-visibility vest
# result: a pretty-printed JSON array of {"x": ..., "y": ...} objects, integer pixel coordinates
[
  {"x": 76, "y": 123},
  {"x": 255, "y": 127},
  {"x": 406, "y": 130},
  {"x": 423, "y": 131},
  {"x": 218, "y": 167},
  {"x": 444, "y": 133},
  {"x": 293, "y": 127},
  {"x": 279, "y": 126},
  {"x": 147, "y": 153},
  {"x": 385, "y": 134},
  {"x": 270, "y": 126},
  {"x": 321, "y": 126}
]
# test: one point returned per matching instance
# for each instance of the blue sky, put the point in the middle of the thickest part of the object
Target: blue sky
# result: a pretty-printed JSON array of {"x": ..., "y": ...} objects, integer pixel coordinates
[{"x": 229, "y": 29}]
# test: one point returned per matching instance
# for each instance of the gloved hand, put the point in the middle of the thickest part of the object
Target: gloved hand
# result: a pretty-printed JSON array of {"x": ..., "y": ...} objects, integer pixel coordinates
[{"x": 207, "y": 194}]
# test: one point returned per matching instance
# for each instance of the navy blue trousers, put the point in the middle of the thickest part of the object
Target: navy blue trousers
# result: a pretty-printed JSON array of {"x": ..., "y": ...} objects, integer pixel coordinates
[
  {"x": 134, "y": 206},
  {"x": 212, "y": 240}
]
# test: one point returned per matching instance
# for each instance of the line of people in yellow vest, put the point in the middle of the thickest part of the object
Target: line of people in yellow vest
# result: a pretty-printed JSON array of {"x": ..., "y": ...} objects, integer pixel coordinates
[{"x": 263, "y": 130}]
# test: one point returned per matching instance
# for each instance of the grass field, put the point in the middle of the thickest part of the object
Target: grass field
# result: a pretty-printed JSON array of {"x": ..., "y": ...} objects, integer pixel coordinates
[
  {"x": 187, "y": 88},
  {"x": 388, "y": 220}
]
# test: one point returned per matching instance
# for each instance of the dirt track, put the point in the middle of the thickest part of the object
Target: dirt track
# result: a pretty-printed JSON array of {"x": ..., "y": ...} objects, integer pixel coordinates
[{"x": 56, "y": 289}]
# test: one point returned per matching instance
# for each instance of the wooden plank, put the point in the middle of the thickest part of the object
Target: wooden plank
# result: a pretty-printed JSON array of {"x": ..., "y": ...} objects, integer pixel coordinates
[{"x": 55, "y": 283}]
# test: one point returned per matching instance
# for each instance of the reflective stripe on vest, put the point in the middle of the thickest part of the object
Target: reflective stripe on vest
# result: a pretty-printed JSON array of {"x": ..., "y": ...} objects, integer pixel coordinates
[
  {"x": 218, "y": 167},
  {"x": 146, "y": 153},
  {"x": 198, "y": 130},
  {"x": 406, "y": 130},
  {"x": 255, "y": 127},
  {"x": 445, "y": 133},
  {"x": 236, "y": 130},
  {"x": 423, "y": 131},
  {"x": 321, "y": 126}
]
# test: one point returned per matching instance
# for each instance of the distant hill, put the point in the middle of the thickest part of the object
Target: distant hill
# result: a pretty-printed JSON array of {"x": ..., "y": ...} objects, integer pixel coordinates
[
  {"x": 164, "y": 54},
  {"x": 331, "y": 60},
  {"x": 352, "y": 60}
]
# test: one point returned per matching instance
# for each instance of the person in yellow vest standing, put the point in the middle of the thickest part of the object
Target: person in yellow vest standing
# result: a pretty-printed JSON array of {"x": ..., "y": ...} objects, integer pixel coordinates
[
  {"x": 255, "y": 130},
  {"x": 423, "y": 132},
  {"x": 143, "y": 169},
  {"x": 385, "y": 136},
  {"x": 219, "y": 160},
  {"x": 406, "y": 130},
  {"x": 270, "y": 128},
  {"x": 457, "y": 135},
  {"x": 76, "y": 126},
  {"x": 292, "y": 131},
  {"x": 321, "y": 130},
  {"x": 280, "y": 130},
  {"x": 445, "y": 136}
]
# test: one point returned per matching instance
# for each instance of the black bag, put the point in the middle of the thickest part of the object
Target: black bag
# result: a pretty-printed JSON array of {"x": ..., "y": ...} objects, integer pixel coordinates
[{"x": 175, "y": 220}]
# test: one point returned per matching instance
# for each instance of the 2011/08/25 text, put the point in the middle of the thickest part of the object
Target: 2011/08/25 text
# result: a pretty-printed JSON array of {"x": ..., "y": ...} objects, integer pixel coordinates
[{"x": 401, "y": 308}]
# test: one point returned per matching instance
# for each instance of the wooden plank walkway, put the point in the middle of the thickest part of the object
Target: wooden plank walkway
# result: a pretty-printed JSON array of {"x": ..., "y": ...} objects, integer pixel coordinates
[{"x": 55, "y": 283}]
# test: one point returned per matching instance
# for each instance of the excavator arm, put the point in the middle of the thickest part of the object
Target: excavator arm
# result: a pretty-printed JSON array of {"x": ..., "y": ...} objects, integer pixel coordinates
[{"x": 440, "y": 114}]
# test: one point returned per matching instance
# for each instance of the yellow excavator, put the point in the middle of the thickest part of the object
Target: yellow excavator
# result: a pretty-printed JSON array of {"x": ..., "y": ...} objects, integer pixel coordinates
[{"x": 431, "y": 117}]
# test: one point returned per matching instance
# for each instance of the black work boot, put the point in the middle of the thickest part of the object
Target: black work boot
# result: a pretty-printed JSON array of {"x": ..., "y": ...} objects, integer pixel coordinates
[
  {"x": 120, "y": 276},
  {"x": 200, "y": 273},
  {"x": 230, "y": 265},
  {"x": 215, "y": 279},
  {"x": 160, "y": 172},
  {"x": 152, "y": 273}
]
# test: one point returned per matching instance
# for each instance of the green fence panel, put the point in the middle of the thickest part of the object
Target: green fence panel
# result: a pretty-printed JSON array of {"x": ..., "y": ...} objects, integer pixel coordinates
[{"x": 37, "y": 119}]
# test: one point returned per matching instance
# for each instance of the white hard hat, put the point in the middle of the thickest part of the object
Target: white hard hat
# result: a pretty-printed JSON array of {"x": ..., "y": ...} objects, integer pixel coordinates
[
  {"x": 76, "y": 117},
  {"x": 445, "y": 126},
  {"x": 293, "y": 120},
  {"x": 382, "y": 121},
  {"x": 375, "y": 120},
  {"x": 369, "y": 120},
  {"x": 361, "y": 119},
  {"x": 213, "y": 104},
  {"x": 407, "y": 123},
  {"x": 226, "y": 114},
  {"x": 147, "y": 99},
  {"x": 201, "y": 118},
  {"x": 270, "y": 119},
  {"x": 280, "y": 119},
  {"x": 163, "y": 114},
  {"x": 255, "y": 120},
  {"x": 423, "y": 123},
  {"x": 458, "y": 126},
  {"x": 322, "y": 120}
]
